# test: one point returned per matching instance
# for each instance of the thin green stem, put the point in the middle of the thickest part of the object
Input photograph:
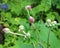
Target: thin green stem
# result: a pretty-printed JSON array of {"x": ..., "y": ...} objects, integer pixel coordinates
[
  {"x": 48, "y": 39},
  {"x": 28, "y": 13},
  {"x": 16, "y": 34},
  {"x": 32, "y": 12},
  {"x": 41, "y": 45},
  {"x": 33, "y": 45}
]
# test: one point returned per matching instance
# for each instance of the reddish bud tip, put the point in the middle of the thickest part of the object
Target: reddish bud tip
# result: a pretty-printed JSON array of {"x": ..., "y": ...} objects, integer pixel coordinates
[
  {"x": 28, "y": 7},
  {"x": 31, "y": 19}
]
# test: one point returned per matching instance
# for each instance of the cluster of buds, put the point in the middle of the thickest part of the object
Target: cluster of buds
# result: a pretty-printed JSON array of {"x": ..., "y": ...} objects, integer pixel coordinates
[
  {"x": 7, "y": 30},
  {"x": 31, "y": 19},
  {"x": 21, "y": 29},
  {"x": 50, "y": 23},
  {"x": 26, "y": 35}
]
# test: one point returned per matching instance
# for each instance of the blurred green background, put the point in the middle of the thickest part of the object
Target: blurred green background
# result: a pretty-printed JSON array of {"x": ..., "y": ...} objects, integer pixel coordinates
[{"x": 16, "y": 14}]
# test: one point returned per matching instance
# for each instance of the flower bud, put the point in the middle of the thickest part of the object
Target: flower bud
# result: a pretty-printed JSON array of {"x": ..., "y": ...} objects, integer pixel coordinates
[
  {"x": 48, "y": 21},
  {"x": 54, "y": 23},
  {"x": 21, "y": 27},
  {"x": 6, "y": 29},
  {"x": 48, "y": 24},
  {"x": 28, "y": 7},
  {"x": 31, "y": 19}
]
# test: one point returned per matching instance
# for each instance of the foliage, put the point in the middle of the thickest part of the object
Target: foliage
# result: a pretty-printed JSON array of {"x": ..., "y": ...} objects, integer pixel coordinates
[{"x": 16, "y": 15}]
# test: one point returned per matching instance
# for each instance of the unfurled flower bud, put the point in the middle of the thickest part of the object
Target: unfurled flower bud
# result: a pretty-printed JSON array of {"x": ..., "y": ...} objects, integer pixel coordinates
[
  {"x": 48, "y": 21},
  {"x": 21, "y": 27},
  {"x": 28, "y": 7},
  {"x": 6, "y": 30},
  {"x": 31, "y": 19}
]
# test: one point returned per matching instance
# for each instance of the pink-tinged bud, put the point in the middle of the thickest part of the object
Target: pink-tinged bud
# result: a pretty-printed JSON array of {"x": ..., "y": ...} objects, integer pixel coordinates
[
  {"x": 31, "y": 19},
  {"x": 28, "y": 7},
  {"x": 6, "y": 29}
]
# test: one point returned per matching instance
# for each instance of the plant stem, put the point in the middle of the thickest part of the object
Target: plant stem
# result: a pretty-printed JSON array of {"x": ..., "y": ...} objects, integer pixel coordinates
[
  {"x": 28, "y": 13},
  {"x": 24, "y": 32},
  {"x": 41, "y": 45},
  {"x": 17, "y": 34},
  {"x": 32, "y": 12},
  {"x": 48, "y": 39},
  {"x": 33, "y": 45}
]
